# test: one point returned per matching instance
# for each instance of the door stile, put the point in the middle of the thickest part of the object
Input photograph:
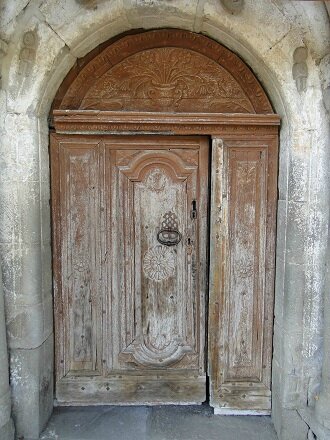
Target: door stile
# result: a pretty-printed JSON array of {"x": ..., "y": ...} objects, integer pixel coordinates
[{"x": 218, "y": 252}]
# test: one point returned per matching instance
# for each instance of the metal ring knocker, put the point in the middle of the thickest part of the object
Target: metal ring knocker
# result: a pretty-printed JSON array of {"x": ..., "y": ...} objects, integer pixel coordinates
[
  {"x": 169, "y": 237},
  {"x": 169, "y": 234}
]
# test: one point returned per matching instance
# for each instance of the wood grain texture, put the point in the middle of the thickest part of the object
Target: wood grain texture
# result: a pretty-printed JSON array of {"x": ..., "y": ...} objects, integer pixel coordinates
[
  {"x": 163, "y": 70},
  {"x": 124, "y": 302},
  {"x": 91, "y": 121},
  {"x": 242, "y": 270}
]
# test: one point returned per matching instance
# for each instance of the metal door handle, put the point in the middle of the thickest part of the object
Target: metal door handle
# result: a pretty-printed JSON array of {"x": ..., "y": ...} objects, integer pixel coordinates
[{"x": 169, "y": 237}]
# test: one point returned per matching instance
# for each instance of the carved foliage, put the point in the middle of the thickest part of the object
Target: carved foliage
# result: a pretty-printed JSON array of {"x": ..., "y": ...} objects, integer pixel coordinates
[
  {"x": 165, "y": 70},
  {"x": 170, "y": 79}
]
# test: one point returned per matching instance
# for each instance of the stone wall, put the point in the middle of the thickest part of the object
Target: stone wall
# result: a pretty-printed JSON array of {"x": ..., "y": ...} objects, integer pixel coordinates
[{"x": 40, "y": 41}]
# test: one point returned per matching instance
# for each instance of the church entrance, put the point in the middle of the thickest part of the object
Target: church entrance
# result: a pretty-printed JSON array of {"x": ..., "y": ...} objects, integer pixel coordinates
[{"x": 164, "y": 168}]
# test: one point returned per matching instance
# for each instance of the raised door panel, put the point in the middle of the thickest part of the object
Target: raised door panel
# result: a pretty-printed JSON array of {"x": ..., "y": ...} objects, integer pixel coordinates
[
  {"x": 160, "y": 307},
  {"x": 77, "y": 257},
  {"x": 241, "y": 294}
]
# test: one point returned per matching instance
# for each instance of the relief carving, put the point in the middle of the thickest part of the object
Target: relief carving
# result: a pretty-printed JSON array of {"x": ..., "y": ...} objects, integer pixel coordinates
[
  {"x": 156, "y": 180},
  {"x": 299, "y": 69},
  {"x": 27, "y": 53},
  {"x": 166, "y": 70},
  {"x": 159, "y": 263},
  {"x": 167, "y": 79}
]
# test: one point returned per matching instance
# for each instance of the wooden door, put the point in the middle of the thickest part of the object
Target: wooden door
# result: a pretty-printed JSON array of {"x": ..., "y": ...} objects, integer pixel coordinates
[
  {"x": 130, "y": 241},
  {"x": 242, "y": 273}
]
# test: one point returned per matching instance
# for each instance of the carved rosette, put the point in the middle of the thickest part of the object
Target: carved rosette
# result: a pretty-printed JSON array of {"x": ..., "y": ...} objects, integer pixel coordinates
[{"x": 159, "y": 263}]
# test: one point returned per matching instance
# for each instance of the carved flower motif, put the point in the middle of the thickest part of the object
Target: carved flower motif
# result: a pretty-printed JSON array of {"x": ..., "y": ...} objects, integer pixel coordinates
[
  {"x": 156, "y": 180},
  {"x": 159, "y": 263}
]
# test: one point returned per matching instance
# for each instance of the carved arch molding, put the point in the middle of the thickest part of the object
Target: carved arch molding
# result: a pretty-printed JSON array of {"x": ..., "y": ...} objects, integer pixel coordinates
[{"x": 182, "y": 83}]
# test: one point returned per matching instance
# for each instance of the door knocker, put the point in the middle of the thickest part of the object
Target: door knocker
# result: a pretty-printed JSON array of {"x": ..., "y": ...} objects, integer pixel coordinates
[{"x": 169, "y": 234}]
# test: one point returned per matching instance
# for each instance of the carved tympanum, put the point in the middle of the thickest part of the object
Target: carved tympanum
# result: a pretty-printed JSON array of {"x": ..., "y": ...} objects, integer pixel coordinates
[
  {"x": 164, "y": 71},
  {"x": 167, "y": 79}
]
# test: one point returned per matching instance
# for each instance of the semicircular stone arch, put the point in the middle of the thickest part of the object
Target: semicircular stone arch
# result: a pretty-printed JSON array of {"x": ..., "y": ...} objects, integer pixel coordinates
[{"x": 163, "y": 71}]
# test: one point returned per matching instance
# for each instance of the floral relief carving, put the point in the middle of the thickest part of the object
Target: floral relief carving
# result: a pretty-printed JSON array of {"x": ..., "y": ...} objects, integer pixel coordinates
[
  {"x": 159, "y": 263},
  {"x": 156, "y": 180},
  {"x": 170, "y": 79}
]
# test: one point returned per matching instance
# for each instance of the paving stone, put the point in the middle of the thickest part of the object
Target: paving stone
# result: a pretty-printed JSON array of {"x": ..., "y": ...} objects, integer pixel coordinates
[{"x": 154, "y": 423}]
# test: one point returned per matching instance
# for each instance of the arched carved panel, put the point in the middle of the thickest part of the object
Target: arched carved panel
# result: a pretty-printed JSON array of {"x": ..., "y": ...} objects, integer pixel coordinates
[{"x": 164, "y": 71}]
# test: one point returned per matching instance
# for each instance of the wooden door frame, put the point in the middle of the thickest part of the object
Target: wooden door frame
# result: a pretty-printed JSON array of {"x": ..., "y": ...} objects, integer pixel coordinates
[{"x": 224, "y": 129}]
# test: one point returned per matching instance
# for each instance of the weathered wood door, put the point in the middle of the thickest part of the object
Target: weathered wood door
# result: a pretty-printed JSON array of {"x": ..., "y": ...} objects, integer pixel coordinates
[
  {"x": 243, "y": 207},
  {"x": 130, "y": 248}
]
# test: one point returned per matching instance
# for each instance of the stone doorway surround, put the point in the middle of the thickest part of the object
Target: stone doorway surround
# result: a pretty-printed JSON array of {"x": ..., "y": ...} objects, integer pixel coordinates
[{"x": 40, "y": 42}]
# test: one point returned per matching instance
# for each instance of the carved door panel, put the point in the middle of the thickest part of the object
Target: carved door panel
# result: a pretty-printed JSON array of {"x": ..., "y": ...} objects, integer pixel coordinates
[
  {"x": 130, "y": 238},
  {"x": 242, "y": 275}
]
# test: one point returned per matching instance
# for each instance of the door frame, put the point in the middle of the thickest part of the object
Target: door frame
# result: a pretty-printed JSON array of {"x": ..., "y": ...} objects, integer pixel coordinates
[{"x": 224, "y": 130}]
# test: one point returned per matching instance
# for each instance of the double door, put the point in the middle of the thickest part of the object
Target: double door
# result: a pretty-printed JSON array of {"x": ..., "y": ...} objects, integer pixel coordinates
[{"x": 131, "y": 269}]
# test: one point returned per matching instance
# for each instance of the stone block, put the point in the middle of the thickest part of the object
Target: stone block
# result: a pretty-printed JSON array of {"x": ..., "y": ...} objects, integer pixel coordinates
[
  {"x": 9, "y": 217},
  {"x": 29, "y": 203},
  {"x": 293, "y": 299},
  {"x": 44, "y": 151},
  {"x": 45, "y": 213},
  {"x": 7, "y": 431},
  {"x": 279, "y": 290},
  {"x": 8, "y": 163},
  {"x": 5, "y": 401},
  {"x": 92, "y": 26},
  {"x": 21, "y": 136},
  {"x": 47, "y": 274},
  {"x": 25, "y": 90},
  {"x": 180, "y": 14},
  {"x": 282, "y": 206},
  {"x": 298, "y": 188},
  {"x": 6, "y": 425},
  {"x": 48, "y": 316},
  {"x": 276, "y": 412},
  {"x": 31, "y": 275},
  {"x": 253, "y": 20},
  {"x": 287, "y": 422},
  {"x": 9, "y": 13},
  {"x": 296, "y": 232},
  {"x": 32, "y": 388},
  {"x": 10, "y": 257},
  {"x": 276, "y": 377},
  {"x": 25, "y": 326},
  {"x": 28, "y": 157},
  {"x": 278, "y": 342},
  {"x": 293, "y": 390}
]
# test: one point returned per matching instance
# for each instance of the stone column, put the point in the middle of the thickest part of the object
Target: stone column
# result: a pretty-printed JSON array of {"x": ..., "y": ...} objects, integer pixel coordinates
[
  {"x": 6, "y": 423},
  {"x": 322, "y": 406}
]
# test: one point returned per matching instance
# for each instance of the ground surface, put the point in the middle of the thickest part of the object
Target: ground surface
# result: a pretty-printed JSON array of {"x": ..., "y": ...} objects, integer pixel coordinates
[{"x": 154, "y": 423}]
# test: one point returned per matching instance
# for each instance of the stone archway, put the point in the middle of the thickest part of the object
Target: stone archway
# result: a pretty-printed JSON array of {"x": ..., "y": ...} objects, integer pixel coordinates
[{"x": 66, "y": 31}]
